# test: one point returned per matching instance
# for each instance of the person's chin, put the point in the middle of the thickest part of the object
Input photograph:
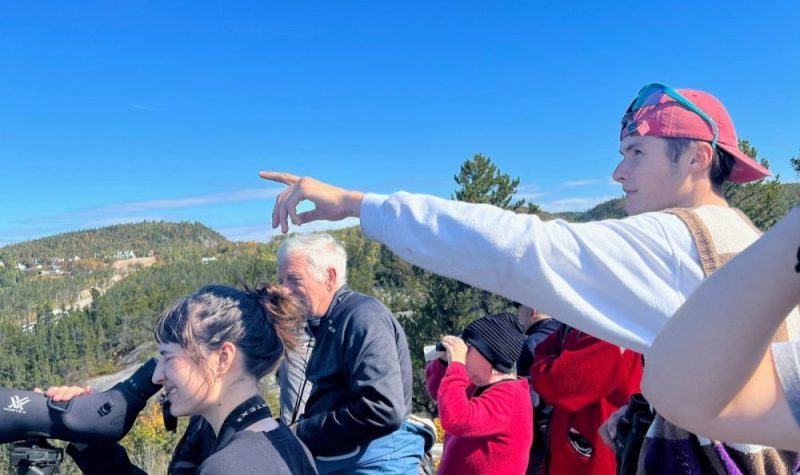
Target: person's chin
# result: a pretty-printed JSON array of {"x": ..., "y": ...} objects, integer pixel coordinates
[
  {"x": 176, "y": 409},
  {"x": 633, "y": 209},
  {"x": 477, "y": 380}
]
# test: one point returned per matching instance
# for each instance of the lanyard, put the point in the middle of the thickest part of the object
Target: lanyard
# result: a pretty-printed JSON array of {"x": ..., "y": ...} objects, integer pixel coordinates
[{"x": 245, "y": 414}]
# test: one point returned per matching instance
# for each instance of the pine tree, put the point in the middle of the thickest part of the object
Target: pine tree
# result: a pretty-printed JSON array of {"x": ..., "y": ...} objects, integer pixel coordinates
[
  {"x": 482, "y": 182},
  {"x": 761, "y": 200},
  {"x": 449, "y": 305}
]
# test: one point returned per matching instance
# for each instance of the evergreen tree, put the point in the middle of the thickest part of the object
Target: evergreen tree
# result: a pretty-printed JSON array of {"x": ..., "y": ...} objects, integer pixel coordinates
[
  {"x": 761, "y": 200},
  {"x": 482, "y": 182},
  {"x": 449, "y": 305}
]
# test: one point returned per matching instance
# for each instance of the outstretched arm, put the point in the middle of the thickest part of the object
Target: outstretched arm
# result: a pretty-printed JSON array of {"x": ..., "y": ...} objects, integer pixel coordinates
[
  {"x": 710, "y": 370},
  {"x": 618, "y": 280}
]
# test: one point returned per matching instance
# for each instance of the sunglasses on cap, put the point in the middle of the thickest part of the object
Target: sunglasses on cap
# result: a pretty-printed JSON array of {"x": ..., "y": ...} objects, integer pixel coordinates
[{"x": 648, "y": 91}]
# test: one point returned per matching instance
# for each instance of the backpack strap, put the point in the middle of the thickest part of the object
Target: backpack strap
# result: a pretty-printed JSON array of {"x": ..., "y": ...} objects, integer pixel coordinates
[{"x": 710, "y": 258}]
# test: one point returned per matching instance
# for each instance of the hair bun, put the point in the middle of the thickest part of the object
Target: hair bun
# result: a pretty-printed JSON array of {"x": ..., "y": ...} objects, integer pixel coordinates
[{"x": 283, "y": 311}]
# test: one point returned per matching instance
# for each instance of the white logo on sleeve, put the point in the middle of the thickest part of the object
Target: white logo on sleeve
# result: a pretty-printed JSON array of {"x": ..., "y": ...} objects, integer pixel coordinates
[{"x": 17, "y": 404}]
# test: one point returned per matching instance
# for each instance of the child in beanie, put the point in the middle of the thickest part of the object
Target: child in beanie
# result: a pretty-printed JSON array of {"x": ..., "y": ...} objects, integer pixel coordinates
[{"x": 484, "y": 409}]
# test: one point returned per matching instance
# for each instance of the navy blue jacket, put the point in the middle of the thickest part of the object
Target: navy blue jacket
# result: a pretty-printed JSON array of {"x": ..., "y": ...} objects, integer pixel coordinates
[{"x": 361, "y": 372}]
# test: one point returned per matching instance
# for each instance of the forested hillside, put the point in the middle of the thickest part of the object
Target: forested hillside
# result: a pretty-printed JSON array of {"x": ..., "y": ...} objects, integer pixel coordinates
[
  {"x": 164, "y": 239},
  {"x": 56, "y": 272},
  {"x": 43, "y": 347}
]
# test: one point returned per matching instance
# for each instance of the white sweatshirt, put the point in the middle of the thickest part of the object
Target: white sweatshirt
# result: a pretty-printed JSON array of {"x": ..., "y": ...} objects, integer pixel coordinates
[{"x": 618, "y": 280}]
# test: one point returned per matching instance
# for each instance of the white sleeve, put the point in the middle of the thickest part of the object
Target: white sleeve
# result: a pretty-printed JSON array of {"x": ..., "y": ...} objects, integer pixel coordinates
[{"x": 618, "y": 280}]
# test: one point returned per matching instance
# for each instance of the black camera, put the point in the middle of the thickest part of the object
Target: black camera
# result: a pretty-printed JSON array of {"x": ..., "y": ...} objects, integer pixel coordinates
[{"x": 440, "y": 346}]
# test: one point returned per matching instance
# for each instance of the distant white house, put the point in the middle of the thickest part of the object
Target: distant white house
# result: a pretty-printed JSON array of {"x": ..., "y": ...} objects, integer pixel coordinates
[
  {"x": 206, "y": 260},
  {"x": 124, "y": 255},
  {"x": 21, "y": 266},
  {"x": 54, "y": 270},
  {"x": 2, "y": 264}
]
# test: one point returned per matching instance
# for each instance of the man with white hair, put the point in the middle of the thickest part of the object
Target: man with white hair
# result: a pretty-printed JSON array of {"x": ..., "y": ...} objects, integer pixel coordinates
[{"x": 360, "y": 368}]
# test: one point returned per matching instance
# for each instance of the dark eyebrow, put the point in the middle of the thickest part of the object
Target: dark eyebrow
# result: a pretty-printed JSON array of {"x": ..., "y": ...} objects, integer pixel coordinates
[{"x": 630, "y": 146}]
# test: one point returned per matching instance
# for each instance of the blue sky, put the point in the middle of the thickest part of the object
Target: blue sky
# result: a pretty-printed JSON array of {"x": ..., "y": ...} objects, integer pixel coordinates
[{"x": 120, "y": 111}]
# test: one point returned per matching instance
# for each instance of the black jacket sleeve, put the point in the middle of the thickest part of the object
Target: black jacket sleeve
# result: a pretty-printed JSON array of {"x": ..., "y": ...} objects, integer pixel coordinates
[{"x": 103, "y": 459}]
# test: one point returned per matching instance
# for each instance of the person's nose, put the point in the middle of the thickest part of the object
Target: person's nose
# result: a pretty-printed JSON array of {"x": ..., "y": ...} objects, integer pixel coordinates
[
  {"x": 621, "y": 172},
  {"x": 158, "y": 373}
]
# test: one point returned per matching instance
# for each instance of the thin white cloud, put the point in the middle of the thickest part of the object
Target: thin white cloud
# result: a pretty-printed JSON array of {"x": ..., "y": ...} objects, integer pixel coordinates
[
  {"x": 250, "y": 232},
  {"x": 192, "y": 201},
  {"x": 529, "y": 193},
  {"x": 129, "y": 212},
  {"x": 115, "y": 210},
  {"x": 144, "y": 108},
  {"x": 263, "y": 232},
  {"x": 577, "y": 183},
  {"x": 573, "y": 204}
]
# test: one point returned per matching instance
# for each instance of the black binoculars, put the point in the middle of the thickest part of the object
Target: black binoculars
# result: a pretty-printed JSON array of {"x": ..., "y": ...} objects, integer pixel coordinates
[{"x": 440, "y": 346}]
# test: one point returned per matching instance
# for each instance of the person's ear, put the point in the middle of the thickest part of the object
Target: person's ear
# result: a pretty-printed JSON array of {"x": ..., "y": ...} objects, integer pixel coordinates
[
  {"x": 330, "y": 279},
  {"x": 701, "y": 157},
  {"x": 227, "y": 352}
]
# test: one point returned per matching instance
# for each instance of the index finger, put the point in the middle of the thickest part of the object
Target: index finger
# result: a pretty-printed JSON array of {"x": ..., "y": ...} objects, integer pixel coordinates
[{"x": 280, "y": 177}]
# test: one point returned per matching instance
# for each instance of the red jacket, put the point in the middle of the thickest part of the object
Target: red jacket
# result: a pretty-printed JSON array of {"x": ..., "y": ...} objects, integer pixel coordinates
[
  {"x": 585, "y": 380},
  {"x": 486, "y": 434}
]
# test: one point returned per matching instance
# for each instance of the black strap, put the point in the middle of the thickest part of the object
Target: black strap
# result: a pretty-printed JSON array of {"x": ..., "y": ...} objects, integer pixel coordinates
[
  {"x": 302, "y": 391},
  {"x": 194, "y": 446},
  {"x": 245, "y": 414},
  {"x": 312, "y": 325},
  {"x": 797, "y": 266}
]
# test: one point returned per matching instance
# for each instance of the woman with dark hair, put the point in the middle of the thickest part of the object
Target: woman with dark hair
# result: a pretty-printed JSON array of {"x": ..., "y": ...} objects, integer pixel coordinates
[{"x": 215, "y": 345}]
